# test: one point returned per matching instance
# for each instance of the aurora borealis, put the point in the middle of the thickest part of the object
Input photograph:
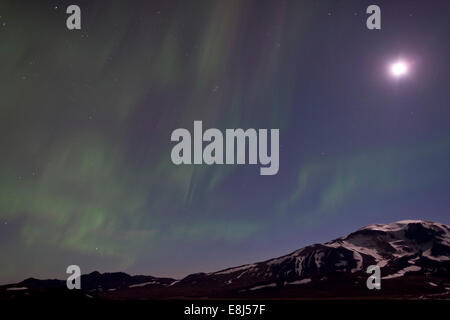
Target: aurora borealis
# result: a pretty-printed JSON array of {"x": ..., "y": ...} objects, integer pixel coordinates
[{"x": 86, "y": 116}]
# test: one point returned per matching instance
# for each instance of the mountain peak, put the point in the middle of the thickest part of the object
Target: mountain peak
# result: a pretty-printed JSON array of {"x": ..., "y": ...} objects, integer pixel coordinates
[{"x": 395, "y": 226}]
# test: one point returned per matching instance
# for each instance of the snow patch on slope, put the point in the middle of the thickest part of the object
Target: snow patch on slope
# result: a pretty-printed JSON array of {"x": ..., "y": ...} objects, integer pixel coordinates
[
  {"x": 303, "y": 281},
  {"x": 270, "y": 285},
  {"x": 232, "y": 270},
  {"x": 402, "y": 272},
  {"x": 142, "y": 284},
  {"x": 16, "y": 288},
  {"x": 428, "y": 255},
  {"x": 359, "y": 261}
]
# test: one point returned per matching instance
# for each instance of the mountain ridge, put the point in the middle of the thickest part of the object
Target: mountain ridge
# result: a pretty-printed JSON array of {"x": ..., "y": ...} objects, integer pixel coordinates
[{"x": 413, "y": 255}]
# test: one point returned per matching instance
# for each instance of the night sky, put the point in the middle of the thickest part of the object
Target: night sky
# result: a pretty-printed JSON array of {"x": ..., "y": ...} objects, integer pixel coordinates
[{"x": 86, "y": 116}]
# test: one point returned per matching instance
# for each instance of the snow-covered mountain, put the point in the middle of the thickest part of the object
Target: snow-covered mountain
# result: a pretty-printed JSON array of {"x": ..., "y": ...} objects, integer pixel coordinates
[
  {"x": 412, "y": 248},
  {"x": 414, "y": 257}
]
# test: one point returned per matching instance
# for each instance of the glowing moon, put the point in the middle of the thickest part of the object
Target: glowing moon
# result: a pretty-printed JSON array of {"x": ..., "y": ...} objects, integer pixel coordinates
[{"x": 399, "y": 69}]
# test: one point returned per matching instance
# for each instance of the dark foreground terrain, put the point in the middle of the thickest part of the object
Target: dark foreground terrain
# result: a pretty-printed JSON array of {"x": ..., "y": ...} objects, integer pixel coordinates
[{"x": 414, "y": 257}]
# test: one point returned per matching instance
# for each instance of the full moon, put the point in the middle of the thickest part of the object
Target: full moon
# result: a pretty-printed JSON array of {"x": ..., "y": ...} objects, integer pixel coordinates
[{"x": 399, "y": 69}]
